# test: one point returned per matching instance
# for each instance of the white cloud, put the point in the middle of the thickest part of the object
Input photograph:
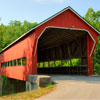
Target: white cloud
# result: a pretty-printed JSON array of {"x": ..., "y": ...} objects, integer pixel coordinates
[{"x": 48, "y": 1}]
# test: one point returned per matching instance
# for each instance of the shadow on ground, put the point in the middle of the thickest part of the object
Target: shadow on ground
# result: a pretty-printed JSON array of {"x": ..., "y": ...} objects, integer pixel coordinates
[{"x": 89, "y": 79}]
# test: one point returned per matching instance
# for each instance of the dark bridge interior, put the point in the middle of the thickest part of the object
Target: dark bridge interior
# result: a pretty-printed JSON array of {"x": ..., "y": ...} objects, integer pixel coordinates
[{"x": 62, "y": 51}]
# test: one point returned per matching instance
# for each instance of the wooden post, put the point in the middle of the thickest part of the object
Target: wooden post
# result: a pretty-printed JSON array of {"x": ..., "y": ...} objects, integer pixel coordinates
[
  {"x": 89, "y": 58},
  {"x": 13, "y": 63},
  {"x": 69, "y": 54},
  {"x": 54, "y": 58},
  {"x": 48, "y": 64},
  {"x": 48, "y": 60},
  {"x": 21, "y": 62},
  {"x": 61, "y": 55},
  {"x": 16, "y": 62},
  {"x": 38, "y": 64},
  {"x": 7, "y": 63},
  {"x": 80, "y": 46}
]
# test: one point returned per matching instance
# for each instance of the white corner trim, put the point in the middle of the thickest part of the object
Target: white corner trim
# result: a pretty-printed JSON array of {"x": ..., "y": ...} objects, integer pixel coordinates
[
  {"x": 38, "y": 40},
  {"x": 93, "y": 44},
  {"x": 65, "y": 28}
]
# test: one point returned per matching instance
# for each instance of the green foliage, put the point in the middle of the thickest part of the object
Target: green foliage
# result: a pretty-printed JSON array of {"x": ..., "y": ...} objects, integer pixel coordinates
[
  {"x": 29, "y": 95},
  {"x": 76, "y": 61},
  {"x": 46, "y": 64},
  {"x": 51, "y": 85},
  {"x": 94, "y": 19},
  {"x": 96, "y": 69},
  {"x": 4, "y": 80},
  {"x": 52, "y": 64},
  {"x": 60, "y": 63},
  {"x": 66, "y": 63},
  {"x": 10, "y": 32},
  {"x": 41, "y": 64},
  {"x": 1, "y": 37}
]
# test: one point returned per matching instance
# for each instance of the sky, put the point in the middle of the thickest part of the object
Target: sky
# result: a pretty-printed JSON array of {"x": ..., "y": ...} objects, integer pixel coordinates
[{"x": 39, "y": 10}]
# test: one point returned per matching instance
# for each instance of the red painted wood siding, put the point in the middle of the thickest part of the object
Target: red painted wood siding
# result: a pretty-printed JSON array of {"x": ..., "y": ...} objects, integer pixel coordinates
[{"x": 24, "y": 48}]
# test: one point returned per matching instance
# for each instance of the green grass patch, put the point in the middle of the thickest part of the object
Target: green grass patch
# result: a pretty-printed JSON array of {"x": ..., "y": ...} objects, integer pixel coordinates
[{"x": 30, "y": 95}]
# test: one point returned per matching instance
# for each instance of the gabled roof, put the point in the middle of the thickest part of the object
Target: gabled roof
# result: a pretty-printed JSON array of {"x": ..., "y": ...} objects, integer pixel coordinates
[
  {"x": 48, "y": 20},
  {"x": 62, "y": 12}
]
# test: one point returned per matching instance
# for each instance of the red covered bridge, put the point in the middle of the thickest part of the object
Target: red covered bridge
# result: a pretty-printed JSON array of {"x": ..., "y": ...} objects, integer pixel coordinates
[{"x": 61, "y": 38}]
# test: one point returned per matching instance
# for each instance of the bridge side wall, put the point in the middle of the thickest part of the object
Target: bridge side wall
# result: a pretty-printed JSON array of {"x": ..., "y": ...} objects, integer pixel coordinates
[{"x": 23, "y": 48}]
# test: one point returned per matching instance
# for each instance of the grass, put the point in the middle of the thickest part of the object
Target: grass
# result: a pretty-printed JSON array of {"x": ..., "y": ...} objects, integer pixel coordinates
[{"x": 30, "y": 95}]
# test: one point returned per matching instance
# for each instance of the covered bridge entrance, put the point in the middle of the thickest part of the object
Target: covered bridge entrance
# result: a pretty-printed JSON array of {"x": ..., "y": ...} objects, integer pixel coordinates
[{"x": 62, "y": 51}]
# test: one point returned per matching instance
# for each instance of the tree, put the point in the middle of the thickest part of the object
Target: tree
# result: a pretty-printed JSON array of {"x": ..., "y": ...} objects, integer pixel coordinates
[
  {"x": 10, "y": 32},
  {"x": 1, "y": 38}
]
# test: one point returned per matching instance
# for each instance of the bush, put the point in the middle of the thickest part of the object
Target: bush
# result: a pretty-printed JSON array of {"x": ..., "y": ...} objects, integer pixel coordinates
[
  {"x": 96, "y": 69},
  {"x": 4, "y": 80}
]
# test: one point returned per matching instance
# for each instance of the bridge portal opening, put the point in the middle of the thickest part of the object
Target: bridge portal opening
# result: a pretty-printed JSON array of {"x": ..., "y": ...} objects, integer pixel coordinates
[{"x": 62, "y": 51}]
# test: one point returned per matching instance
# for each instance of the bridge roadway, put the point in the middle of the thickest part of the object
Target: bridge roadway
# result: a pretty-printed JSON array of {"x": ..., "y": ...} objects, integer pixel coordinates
[{"x": 74, "y": 88}]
